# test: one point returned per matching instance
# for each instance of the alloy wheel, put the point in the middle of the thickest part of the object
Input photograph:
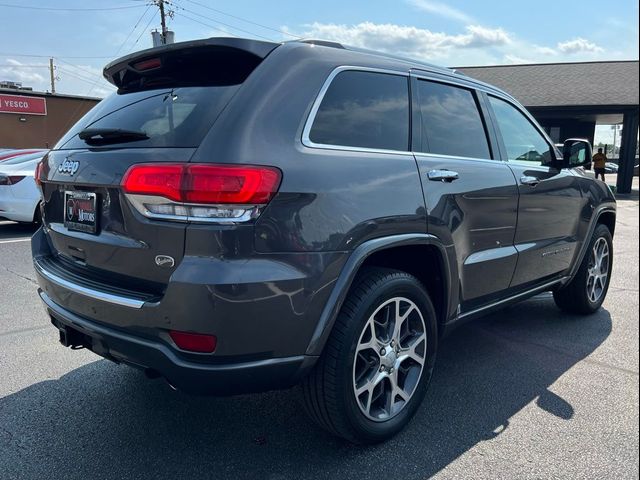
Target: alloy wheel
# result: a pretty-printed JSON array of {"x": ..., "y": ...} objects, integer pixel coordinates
[
  {"x": 389, "y": 359},
  {"x": 598, "y": 270}
]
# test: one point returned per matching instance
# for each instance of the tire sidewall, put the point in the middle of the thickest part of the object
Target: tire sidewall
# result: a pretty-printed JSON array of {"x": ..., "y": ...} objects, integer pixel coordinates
[{"x": 403, "y": 285}]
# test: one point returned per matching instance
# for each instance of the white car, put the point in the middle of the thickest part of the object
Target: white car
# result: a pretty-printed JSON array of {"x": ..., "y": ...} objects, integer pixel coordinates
[{"x": 19, "y": 195}]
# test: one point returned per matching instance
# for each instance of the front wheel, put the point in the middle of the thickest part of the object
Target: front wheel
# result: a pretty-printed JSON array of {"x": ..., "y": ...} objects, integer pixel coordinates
[
  {"x": 588, "y": 289},
  {"x": 378, "y": 361}
]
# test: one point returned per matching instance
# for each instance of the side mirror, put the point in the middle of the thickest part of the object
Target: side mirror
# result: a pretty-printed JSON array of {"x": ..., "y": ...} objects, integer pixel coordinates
[{"x": 576, "y": 152}]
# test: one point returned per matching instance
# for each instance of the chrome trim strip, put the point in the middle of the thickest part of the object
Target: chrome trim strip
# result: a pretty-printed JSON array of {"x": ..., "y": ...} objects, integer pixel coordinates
[
  {"x": 533, "y": 291},
  {"x": 306, "y": 140},
  {"x": 138, "y": 202},
  {"x": 457, "y": 157},
  {"x": 88, "y": 292}
]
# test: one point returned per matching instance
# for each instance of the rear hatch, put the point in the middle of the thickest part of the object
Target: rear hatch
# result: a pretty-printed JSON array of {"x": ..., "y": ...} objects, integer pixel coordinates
[{"x": 168, "y": 98}]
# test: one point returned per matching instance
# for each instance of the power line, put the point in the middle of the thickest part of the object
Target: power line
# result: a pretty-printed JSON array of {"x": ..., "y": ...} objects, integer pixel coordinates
[
  {"x": 57, "y": 9},
  {"x": 23, "y": 65},
  {"x": 144, "y": 30},
  {"x": 284, "y": 32},
  {"x": 207, "y": 25},
  {"x": 76, "y": 66},
  {"x": 74, "y": 74},
  {"x": 133, "y": 29},
  {"x": 227, "y": 25},
  {"x": 31, "y": 55}
]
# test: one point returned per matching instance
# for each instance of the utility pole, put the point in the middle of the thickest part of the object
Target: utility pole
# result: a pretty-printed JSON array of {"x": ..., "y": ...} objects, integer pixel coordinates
[
  {"x": 166, "y": 36},
  {"x": 163, "y": 21},
  {"x": 52, "y": 75}
]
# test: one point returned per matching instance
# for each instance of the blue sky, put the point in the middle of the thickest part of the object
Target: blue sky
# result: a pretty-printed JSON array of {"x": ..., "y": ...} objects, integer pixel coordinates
[{"x": 451, "y": 33}]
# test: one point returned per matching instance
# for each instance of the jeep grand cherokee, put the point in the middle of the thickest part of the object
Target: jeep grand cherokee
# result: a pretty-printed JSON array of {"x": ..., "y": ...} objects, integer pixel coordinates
[{"x": 242, "y": 216}]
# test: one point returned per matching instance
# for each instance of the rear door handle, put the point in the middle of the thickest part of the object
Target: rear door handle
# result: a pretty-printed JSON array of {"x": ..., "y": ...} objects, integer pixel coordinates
[
  {"x": 442, "y": 175},
  {"x": 531, "y": 181}
]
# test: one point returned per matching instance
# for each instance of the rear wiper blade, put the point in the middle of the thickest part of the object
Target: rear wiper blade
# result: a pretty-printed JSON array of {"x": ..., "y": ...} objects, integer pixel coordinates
[{"x": 110, "y": 135}]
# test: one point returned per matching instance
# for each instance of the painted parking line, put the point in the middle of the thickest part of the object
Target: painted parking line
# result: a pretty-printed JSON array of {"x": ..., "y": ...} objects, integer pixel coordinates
[{"x": 15, "y": 240}]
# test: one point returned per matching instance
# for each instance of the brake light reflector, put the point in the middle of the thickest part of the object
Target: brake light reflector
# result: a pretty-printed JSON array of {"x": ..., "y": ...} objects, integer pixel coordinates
[
  {"x": 194, "y": 342},
  {"x": 204, "y": 183}
]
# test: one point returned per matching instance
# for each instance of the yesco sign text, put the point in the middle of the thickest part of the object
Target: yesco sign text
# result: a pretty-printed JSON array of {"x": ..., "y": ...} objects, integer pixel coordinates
[{"x": 23, "y": 104}]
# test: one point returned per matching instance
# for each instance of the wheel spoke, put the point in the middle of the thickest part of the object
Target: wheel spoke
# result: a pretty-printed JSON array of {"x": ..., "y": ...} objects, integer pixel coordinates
[
  {"x": 400, "y": 319},
  {"x": 410, "y": 351}
]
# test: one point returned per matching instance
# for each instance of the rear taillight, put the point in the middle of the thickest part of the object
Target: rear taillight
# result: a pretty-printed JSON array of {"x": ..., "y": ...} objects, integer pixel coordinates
[
  {"x": 38, "y": 173},
  {"x": 10, "y": 179},
  {"x": 200, "y": 191}
]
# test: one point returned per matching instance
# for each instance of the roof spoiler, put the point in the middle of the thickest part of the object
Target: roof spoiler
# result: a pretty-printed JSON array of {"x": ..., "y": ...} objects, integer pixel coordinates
[{"x": 139, "y": 69}]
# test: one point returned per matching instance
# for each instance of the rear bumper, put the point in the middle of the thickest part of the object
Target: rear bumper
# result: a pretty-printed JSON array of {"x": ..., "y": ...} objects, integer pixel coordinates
[{"x": 159, "y": 359}]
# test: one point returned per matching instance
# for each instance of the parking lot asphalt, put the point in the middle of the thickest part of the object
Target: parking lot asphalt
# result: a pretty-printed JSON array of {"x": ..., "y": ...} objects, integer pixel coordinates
[{"x": 528, "y": 392}]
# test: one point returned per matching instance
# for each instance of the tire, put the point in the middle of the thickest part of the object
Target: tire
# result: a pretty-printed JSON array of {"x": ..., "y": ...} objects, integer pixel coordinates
[
  {"x": 37, "y": 217},
  {"x": 584, "y": 294},
  {"x": 353, "y": 359}
]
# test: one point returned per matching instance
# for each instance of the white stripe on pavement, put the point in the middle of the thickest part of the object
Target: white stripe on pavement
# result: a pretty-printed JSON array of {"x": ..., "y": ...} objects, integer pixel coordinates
[{"x": 16, "y": 240}]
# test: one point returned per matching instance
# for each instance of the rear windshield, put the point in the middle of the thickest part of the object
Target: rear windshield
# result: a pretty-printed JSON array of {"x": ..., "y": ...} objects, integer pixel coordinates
[{"x": 178, "y": 117}]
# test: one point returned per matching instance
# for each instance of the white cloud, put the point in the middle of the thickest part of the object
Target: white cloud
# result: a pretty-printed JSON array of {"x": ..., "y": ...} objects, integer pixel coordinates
[
  {"x": 515, "y": 59},
  {"x": 579, "y": 45},
  {"x": 408, "y": 40},
  {"x": 21, "y": 72},
  {"x": 442, "y": 9},
  {"x": 70, "y": 78}
]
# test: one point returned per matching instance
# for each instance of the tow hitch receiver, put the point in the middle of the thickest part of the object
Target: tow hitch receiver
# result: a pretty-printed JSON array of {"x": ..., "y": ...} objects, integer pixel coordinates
[{"x": 73, "y": 338}]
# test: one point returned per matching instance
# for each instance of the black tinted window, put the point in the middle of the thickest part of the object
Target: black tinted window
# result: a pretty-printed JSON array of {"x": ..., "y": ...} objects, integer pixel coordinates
[
  {"x": 364, "y": 109},
  {"x": 451, "y": 122},
  {"x": 521, "y": 139},
  {"x": 170, "y": 118}
]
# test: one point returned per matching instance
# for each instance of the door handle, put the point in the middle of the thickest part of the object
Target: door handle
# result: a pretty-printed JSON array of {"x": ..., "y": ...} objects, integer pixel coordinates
[
  {"x": 531, "y": 181},
  {"x": 442, "y": 176}
]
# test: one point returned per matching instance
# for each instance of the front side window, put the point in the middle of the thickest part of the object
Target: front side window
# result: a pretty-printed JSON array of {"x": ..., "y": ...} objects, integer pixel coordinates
[
  {"x": 521, "y": 139},
  {"x": 365, "y": 110},
  {"x": 451, "y": 121}
]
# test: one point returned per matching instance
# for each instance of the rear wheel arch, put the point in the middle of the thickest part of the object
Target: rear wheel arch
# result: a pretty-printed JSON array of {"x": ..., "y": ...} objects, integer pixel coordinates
[
  {"x": 608, "y": 219},
  {"x": 423, "y": 261},
  {"x": 420, "y": 255}
]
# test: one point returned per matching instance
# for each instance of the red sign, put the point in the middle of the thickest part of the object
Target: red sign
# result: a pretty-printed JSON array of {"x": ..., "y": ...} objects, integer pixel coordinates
[{"x": 23, "y": 104}]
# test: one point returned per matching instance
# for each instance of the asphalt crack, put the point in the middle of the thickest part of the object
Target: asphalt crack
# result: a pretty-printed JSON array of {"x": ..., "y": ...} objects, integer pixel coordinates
[{"x": 24, "y": 277}]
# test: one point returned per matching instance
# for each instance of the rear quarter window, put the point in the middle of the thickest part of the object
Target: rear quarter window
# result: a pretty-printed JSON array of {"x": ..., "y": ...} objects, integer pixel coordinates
[{"x": 364, "y": 109}]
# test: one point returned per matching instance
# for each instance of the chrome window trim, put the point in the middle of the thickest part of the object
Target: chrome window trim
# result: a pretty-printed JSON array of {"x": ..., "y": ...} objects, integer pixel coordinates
[
  {"x": 306, "y": 140},
  {"x": 88, "y": 292},
  {"x": 456, "y": 157}
]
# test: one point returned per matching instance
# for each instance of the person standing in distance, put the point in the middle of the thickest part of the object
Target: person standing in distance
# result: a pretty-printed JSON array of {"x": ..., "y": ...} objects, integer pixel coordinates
[{"x": 599, "y": 161}]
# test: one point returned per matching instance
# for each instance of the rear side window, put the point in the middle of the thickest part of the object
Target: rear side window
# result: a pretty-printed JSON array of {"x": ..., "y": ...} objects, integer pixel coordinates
[
  {"x": 451, "y": 121},
  {"x": 178, "y": 117},
  {"x": 366, "y": 110}
]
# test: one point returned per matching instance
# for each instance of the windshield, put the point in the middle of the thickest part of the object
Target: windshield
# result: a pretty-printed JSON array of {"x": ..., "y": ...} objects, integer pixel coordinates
[{"x": 177, "y": 117}]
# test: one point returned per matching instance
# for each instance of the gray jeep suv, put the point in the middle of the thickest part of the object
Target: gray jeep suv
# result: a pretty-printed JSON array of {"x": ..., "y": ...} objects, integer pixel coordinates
[{"x": 242, "y": 216}]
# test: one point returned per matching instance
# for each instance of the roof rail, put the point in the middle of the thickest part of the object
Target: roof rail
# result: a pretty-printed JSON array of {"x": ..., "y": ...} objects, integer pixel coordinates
[{"x": 322, "y": 43}]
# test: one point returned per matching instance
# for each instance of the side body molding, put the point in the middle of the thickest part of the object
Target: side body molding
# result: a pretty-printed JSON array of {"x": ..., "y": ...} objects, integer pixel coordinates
[{"x": 348, "y": 274}]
